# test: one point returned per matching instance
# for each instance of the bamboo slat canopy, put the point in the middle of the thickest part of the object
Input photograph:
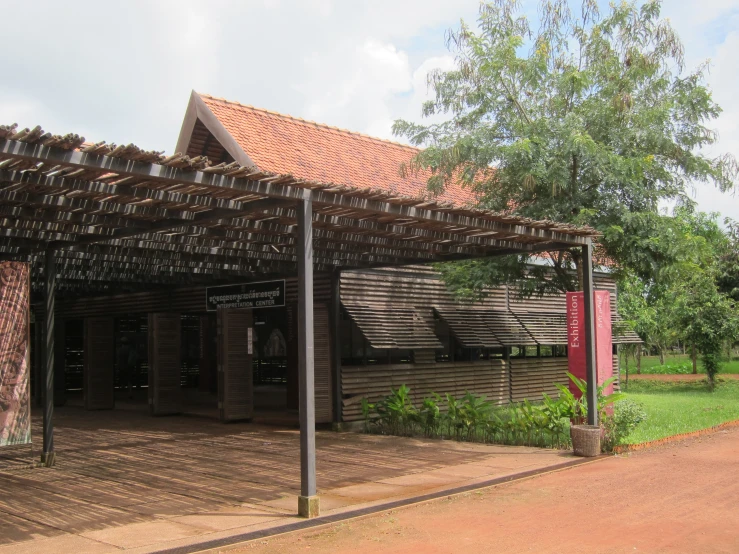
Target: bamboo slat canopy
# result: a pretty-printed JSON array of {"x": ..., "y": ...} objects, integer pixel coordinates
[{"x": 118, "y": 216}]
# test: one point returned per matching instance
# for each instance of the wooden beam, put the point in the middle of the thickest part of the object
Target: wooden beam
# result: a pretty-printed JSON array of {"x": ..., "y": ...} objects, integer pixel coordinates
[
  {"x": 48, "y": 455},
  {"x": 591, "y": 367},
  {"x": 305, "y": 361},
  {"x": 292, "y": 191}
]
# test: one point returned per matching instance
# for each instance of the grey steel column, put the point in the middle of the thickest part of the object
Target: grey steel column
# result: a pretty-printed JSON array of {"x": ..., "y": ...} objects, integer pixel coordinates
[
  {"x": 590, "y": 361},
  {"x": 305, "y": 356},
  {"x": 336, "y": 341},
  {"x": 48, "y": 455}
]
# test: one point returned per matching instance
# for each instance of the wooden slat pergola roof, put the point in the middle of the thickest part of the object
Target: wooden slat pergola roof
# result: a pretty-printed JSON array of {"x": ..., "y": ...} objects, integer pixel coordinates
[{"x": 119, "y": 216}]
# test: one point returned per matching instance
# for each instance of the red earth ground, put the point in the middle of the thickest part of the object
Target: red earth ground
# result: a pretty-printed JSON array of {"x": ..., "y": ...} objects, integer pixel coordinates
[{"x": 681, "y": 497}]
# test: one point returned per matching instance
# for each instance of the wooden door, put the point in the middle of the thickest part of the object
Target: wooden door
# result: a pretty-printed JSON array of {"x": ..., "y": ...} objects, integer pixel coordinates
[
  {"x": 165, "y": 364},
  {"x": 99, "y": 363},
  {"x": 235, "y": 370}
]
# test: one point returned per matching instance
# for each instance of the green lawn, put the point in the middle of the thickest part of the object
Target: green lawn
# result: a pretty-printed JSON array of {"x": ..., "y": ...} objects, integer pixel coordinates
[
  {"x": 675, "y": 408},
  {"x": 674, "y": 364}
]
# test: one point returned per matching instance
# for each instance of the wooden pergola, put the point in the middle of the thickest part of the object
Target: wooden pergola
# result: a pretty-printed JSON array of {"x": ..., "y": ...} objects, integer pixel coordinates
[{"x": 103, "y": 217}]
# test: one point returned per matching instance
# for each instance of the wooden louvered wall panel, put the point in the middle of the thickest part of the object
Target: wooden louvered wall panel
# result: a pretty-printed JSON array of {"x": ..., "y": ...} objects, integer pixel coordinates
[
  {"x": 469, "y": 328},
  {"x": 404, "y": 287},
  {"x": 397, "y": 327},
  {"x": 99, "y": 363},
  {"x": 235, "y": 370},
  {"x": 530, "y": 377},
  {"x": 488, "y": 378},
  {"x": 165, "y": 364},
  {"x": 420, "y": 287},
  {"x": 546, "y": 328},
  {"x": 322, "y": 364}
]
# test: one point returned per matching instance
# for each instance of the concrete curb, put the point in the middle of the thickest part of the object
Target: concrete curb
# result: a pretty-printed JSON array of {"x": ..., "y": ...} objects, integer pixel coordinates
[
  {"x": 674, "y": 438},
  {"x": 322, "y": 521}
]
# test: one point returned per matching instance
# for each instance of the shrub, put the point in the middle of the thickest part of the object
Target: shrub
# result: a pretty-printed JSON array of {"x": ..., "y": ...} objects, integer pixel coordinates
[
  {"x": 627, "y": 415},
  {"x": 474, "y": 418}
]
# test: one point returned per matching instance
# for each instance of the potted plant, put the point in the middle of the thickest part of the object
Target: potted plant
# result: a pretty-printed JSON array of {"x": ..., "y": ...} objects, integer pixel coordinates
[{"x": 586, "y": 439}]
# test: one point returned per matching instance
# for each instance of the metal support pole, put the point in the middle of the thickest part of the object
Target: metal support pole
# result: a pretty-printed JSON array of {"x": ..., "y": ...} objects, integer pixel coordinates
[
  {"x": 48, "y": 455},
  {"x": 590, "y": 361},
  {"x": 336, "y": 342},
  {"x": 308, "y": 501}
]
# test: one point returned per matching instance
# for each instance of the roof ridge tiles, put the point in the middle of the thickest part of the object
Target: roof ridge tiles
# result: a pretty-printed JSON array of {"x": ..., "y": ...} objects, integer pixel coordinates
[{"x": 309, "y": 122}]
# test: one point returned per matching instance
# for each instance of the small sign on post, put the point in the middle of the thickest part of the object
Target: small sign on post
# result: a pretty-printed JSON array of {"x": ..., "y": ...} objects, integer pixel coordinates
[{"x": 264, "y": 294}]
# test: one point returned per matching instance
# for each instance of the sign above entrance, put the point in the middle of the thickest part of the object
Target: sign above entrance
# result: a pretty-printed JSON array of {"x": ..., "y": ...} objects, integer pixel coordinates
[{"x": 265, "y": 294}]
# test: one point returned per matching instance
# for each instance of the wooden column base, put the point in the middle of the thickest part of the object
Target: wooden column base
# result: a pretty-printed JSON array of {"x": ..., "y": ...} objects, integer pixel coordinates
[
  {"x": 48, "y": 459},
  {"x": 308, "y": 506}
]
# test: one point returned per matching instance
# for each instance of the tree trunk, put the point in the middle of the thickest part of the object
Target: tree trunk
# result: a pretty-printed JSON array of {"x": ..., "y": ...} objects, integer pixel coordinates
[
  {"x": 694, "y": 357},
  {"x": 577, "y": 261},
  {"x": 638, "y": 359},
  {"x": 661, "y": 356},
  {"x": 626, "y": 359}
]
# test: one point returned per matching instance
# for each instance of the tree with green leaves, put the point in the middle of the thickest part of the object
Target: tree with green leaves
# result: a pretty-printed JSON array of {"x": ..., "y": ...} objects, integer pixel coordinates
[
  {"x": 695, "y": 243},
  {"x": 588, "y": 118},
  {"x": 707, "y": 319},
  {"x": 728, "y": 267}
]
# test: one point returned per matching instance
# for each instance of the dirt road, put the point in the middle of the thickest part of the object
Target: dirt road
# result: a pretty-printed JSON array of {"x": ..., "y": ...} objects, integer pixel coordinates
[{"x": 683, "y": 497}]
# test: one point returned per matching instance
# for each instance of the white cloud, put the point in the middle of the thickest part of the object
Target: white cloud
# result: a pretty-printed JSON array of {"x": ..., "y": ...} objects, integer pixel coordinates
[
  {"x": 709, "y": 31},
  {"x": 123, "y": 71}
]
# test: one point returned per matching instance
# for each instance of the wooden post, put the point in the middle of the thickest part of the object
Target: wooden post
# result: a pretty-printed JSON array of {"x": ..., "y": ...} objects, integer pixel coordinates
[
  {"x": 590, "y": 361},
  {"x": 48, "y": 456},
  {"x": 307, "y": 501}
]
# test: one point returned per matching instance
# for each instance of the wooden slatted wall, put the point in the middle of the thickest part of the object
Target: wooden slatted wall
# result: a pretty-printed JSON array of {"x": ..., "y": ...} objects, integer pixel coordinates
[
  {"x": 488, "y": 378},
  {"x": 183, "y": 300},
  {"x": 406, "y": 287},
  {"x": 99, "y": 363},
  {"x": 530, "y": 377},
  {"x": 422, "y": 287},
  {"x": 235, "y": 369},
  {"x": 322, "y": 364},
  {"x": 165, "y": 392}
]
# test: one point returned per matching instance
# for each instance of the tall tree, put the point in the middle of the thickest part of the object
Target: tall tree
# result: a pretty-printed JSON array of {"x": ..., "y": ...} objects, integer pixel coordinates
[
  {"x": 728, "y": 268},
  {"x": 589, "y": 118},
  {"x": 707, "y": 319}
]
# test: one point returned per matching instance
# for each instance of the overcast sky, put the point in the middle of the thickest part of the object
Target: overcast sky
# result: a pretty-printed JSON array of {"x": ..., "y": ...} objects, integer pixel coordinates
[{"x": 123, "y": 71}]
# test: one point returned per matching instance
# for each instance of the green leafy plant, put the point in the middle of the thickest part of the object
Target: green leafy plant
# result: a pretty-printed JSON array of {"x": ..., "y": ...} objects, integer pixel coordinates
[
  {"x": 452, "y": 416},
  {"x": 367, "y": 409},
  {"x": 604, "y": 400},
  {"x": 396, "y": 412},
  {"x": 557, "y": 417},
  {"x": 430, "y": 415},
  {"x": 627, "y": 415},
  {"x": 472, "y": 413}
]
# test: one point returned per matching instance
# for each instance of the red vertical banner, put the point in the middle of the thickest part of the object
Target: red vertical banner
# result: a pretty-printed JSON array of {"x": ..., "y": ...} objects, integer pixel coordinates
[
  {"x": 603, "y": 337},
  {"x": 576, "y": 337}
]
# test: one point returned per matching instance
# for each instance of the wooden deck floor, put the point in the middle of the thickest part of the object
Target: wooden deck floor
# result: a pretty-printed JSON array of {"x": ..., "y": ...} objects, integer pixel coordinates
[{"x": 118, "y": 468}]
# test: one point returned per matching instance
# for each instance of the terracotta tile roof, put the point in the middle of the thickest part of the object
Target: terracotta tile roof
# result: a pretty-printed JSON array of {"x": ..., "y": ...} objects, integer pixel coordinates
[{"x": 304, "y": 149}]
